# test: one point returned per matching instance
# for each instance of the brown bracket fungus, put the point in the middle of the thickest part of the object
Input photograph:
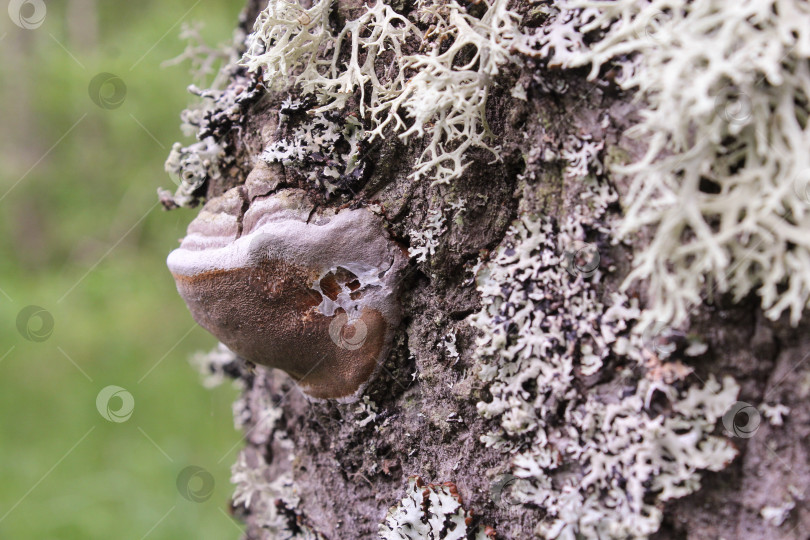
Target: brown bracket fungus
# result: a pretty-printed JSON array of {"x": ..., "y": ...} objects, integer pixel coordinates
[{"x": 314, "y": 293}]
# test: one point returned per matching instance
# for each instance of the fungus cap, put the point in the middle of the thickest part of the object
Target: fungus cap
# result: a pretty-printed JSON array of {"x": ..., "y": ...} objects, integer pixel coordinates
[{"x": 314, "y": 293}]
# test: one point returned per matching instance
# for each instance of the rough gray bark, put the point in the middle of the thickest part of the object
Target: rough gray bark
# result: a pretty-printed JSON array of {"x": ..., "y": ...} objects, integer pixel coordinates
[{"x": 348, "y": 473}]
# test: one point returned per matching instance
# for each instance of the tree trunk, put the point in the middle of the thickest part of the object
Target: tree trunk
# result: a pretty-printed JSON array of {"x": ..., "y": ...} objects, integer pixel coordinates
[{"x": 521, "y": 372}]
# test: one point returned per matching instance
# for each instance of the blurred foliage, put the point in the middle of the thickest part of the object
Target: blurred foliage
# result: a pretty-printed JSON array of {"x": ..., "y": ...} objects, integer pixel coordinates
[{"x": 82, "y": 236}]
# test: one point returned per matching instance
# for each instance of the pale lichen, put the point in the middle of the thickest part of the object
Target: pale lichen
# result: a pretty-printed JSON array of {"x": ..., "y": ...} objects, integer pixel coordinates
[
  {"x": 327, "y": 148},
  {"x": 367, "y": 410},
  {"x": 271, "y": 498},
  {"x": 724, "y": 90},
  {"x": 774, "y": 413},
  {"x": 191, "y": 167},
  {"x": 210, "y": 119},
  {"x": 425, "y": 240},
  {"x": 599, "y": 463},
  {"x": 582, "y": 157},
  {"x": 216, "y": 365},
  {"x": 775, "y": 515},
  {"x": 451, "y": 346},
  {"x": 439, "y": 92},
  {"x": 431, "y": 512}
]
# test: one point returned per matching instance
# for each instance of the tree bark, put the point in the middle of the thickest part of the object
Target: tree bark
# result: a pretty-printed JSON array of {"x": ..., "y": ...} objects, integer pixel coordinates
[{"x": 327, "y": 469}]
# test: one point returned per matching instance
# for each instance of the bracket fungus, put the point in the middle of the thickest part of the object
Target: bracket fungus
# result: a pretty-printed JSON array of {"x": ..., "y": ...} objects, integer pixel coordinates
[{"x": 311, "y": 292}]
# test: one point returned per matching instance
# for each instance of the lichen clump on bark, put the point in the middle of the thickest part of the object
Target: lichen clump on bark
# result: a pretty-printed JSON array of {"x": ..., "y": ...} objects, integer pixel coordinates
[
  {"x": 544, "y": 327},
  {"x": 725, "y": 180},
  {"x": 431, "y": 512}
]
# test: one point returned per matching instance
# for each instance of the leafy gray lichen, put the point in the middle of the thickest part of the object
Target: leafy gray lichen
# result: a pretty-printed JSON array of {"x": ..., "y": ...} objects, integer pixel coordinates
[
  {"x": 325, "y": 147},
  {"x": 192, "y": 167},
  {"x": 431, "y": 512},
  {"x": 425, "y": 240},
  {"x": 219, "y": 110},
  {"x": 542, "y": 329},
  {"x": 270, "y": 497}
]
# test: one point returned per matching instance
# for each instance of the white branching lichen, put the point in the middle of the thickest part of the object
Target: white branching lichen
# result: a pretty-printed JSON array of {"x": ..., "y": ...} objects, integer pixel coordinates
[
  {"x": 430, "y": 512},
  {"x": 425, "y": 241},
  {"x": 774, "y": 413},
  {"x": 725, "y": 92},
  {"x": 541, "y": 330},
  {"x": 368, "y": 409},
  {"x": 448, "y": 95},
  {"x": 443, "y": 89},
  {"x": 286, "y": 38},
  {"x": 582, "y": 157},
  {"x": 775, "y": 515}
]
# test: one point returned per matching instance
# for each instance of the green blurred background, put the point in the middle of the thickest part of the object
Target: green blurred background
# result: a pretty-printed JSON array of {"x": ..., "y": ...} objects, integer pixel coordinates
[{"x": 82, "y": 237}]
